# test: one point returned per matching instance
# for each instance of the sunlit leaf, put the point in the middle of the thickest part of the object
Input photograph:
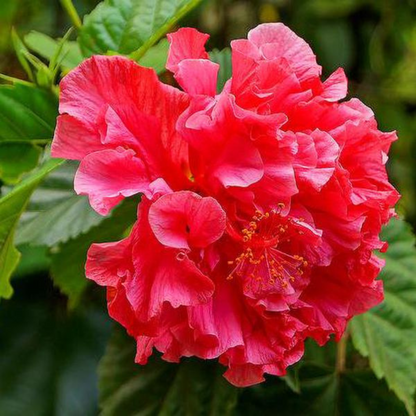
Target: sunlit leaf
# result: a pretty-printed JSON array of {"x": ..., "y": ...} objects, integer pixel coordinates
[
  {"x": 156, "y": 56},
  {"x": 55, "y": 213},
  {"x": 127, "y": 26},
  {"x": 11, "y": 207},
  {"x": 46, "y": 47}
]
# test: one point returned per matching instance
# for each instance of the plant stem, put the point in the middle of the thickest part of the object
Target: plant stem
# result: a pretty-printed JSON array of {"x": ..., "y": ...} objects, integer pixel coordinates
[
  {"x": 72, "y": 13},
  {"x": 342, "y": 353}
]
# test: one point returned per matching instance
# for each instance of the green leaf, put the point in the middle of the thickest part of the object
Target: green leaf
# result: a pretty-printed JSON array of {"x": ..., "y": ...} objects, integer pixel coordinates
[
  {"x": 26, "y": 113},
  {"x": 68, "y": 219},
  {"x": 68, "y": 260},
  {"x": 11, "y": 207},
  {"x": 127, "y": 26},
  {"x": 27, "y": 118},
  {"x": 17, "y": 158},
  {"x": 34, "y": 260},
  {"x": 191, "y": 388},
  {"x": 156, "y": 56},
  {"x": 223, "y": 58},
  {"x": 46, "y": 47},
  {"x": 48, "y": 358},
  {"x": 9, "y": 259},
  {"x": 386, "y": 334},
  {"x": 292, "y": 379},
  {"x": 55, "y": 213}
]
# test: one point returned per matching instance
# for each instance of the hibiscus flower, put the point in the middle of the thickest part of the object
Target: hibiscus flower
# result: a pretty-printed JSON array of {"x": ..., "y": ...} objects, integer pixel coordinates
[{"x": 261, "y": 205}]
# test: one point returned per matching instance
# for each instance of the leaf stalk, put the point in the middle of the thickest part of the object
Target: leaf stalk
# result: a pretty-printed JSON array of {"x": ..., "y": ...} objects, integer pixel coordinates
[{"x": 72, "y": 13}]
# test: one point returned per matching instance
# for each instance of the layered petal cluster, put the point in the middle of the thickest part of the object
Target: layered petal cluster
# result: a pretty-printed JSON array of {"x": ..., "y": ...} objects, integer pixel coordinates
[{"x": 261, "y": 205}]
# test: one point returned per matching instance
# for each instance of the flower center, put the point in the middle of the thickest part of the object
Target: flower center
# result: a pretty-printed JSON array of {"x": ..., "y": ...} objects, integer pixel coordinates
[{"x": 264, "y": 264}]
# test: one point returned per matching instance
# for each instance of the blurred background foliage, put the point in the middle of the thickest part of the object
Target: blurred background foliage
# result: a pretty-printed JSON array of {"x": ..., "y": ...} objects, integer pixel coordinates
[{"x": 47, "y": 355}]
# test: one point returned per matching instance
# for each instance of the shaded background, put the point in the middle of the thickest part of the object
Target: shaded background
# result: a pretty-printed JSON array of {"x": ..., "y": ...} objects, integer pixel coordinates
[{"x": 47, "y": 356}]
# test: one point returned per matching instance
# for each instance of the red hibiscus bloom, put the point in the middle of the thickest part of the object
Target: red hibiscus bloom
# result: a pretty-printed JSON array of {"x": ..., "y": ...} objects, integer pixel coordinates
[{"x": 262, "y": 205}]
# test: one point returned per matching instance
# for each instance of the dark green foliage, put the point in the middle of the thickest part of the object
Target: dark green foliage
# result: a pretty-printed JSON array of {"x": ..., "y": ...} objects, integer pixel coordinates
[
  {"x": 48, "y": 357},
  {"x": 192, "y": 388},
  {"x": 323, "y": 393}
]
